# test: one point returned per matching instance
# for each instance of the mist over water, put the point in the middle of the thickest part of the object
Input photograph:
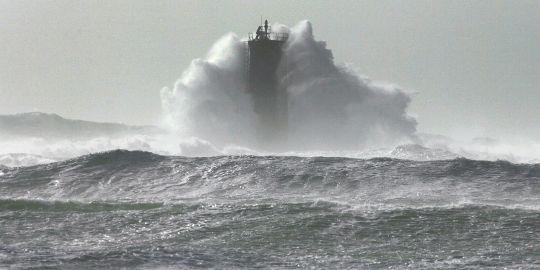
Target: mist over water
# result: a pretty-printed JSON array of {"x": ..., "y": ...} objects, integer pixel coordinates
[{"x": 330, "y": 107}]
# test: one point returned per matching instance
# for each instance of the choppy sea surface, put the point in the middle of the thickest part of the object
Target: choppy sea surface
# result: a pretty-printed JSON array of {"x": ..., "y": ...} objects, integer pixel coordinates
[{"x": 123, "y": 209}]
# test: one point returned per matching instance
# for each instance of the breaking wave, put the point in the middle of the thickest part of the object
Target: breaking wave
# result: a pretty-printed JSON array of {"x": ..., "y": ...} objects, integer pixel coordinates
[
  {"x": 330, "y": 107},
  {"x": 387, "y": 198},
  {"x": 332, "y": 112}
]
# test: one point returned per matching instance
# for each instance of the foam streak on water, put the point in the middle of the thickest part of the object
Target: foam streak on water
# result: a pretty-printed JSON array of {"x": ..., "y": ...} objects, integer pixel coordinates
[{"x": 141, "y": 210}]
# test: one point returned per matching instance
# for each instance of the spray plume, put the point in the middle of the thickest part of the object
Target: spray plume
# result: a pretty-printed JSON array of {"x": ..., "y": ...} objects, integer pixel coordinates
[{"x": 330, "y": 107}]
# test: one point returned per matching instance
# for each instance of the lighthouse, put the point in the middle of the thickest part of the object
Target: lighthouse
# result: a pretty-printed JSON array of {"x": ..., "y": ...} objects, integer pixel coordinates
[{"x": 265, "y": 54}]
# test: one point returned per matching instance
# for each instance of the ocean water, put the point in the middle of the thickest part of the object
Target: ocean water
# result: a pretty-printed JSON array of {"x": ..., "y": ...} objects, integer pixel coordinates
[{"x": 129, "y": 209}]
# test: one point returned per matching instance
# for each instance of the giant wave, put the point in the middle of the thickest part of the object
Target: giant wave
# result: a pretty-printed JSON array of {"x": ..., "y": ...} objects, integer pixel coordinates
[
  {"x": 330, "y": 106},
  {"x": 333, "y": 111}
]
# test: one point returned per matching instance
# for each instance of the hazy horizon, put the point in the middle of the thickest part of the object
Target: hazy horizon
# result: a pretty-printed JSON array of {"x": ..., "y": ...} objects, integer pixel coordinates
[{"x": 473, "y": 65}]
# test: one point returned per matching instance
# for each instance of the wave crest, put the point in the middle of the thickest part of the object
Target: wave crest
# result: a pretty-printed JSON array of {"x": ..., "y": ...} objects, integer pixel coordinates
[{"x": 146, "y": 177}]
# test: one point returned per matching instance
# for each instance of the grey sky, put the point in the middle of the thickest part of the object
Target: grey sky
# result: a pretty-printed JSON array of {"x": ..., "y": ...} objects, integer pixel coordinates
[{"x": 474, "y": 64}]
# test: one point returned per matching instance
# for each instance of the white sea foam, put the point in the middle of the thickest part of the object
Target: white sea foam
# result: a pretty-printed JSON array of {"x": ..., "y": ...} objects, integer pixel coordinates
[{"x": 330, "y": 107}]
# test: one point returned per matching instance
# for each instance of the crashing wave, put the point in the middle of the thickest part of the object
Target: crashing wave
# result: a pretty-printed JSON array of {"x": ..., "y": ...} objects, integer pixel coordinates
[{"x": 330, "y": 106}]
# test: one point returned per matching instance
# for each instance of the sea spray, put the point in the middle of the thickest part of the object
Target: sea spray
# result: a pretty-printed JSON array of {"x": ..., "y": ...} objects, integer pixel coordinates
[
  {"x": 332, "y": 112},
  {"x": 209, "y": 102},
  {"x": 330, "y": 107}
]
